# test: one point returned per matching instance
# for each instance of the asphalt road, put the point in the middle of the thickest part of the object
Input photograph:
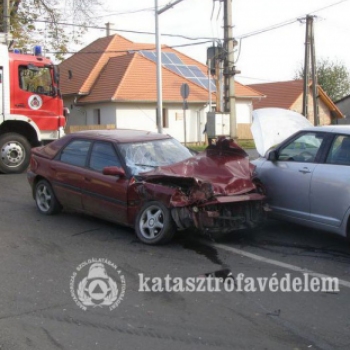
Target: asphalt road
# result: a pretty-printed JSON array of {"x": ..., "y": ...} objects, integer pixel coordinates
[{"x": 39, "y": 254}]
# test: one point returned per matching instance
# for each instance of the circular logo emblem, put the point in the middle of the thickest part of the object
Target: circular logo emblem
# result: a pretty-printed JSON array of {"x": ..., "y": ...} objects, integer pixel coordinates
[
  {"x": 35, "y": 102},
  {"x": 97, "y": 283}
]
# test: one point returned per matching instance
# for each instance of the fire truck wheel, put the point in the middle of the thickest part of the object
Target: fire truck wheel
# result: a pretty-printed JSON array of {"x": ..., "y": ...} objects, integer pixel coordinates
[{"x": 14, "y": 153}]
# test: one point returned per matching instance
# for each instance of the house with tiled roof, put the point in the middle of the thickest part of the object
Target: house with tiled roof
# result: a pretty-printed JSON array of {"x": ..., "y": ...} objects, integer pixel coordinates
[
  {"x": 289, "y": 95},
  {"x": 112, "y": 81},
  {"x": 344, "y": 105}
]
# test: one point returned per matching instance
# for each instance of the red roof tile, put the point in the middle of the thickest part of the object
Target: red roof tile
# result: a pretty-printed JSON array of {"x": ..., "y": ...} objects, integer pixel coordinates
[
  {"x": 284, "y": 94},
  {"x": 108, "y": 69},
  {"x": 280, "y": 94}
]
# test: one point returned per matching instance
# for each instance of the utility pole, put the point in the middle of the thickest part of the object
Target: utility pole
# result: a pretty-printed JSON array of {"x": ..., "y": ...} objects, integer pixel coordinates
[
  {"x": 314, "y": 77},
  {"x": 6, "y": 20},
  {"x": 310, "y": 55},
  {"x": 229, "y": 69},
  {"x": 159, "y": 114},
  {"x": 108, "y": 29}
]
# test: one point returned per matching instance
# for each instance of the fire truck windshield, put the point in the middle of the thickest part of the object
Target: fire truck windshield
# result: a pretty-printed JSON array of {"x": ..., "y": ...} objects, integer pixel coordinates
[{"x": 36, "y": 79}]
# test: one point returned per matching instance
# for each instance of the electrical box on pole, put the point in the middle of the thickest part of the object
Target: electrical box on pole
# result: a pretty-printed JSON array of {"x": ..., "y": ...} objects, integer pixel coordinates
[
  {"x": 214, "y": 54},
  {"x": 218, "y": 124}
]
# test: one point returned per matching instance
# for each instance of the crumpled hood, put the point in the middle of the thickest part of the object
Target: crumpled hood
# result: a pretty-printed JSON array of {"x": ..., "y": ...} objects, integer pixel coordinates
[
  {"x": 271, "y": 126},
  {"x": 225, "y": 166}
]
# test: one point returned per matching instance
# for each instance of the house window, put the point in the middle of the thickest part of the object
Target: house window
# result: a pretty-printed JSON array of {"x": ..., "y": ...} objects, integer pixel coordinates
[
  {"x": 165, "y": 118},
  {"x": 96, "y": 117},
  {"x": 179, "y": 116}
]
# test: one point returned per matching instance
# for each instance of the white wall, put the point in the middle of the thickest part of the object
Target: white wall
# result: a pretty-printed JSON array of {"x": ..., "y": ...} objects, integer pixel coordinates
[
  {"x": 135, "y": 116},
  {"x": 244, "y": 110},
  {"x": 195, "y": 123},
  {"x": 143, "y": 117},
  {"x": 107, "y": 113},
  {"x": 77, "y": 115}
]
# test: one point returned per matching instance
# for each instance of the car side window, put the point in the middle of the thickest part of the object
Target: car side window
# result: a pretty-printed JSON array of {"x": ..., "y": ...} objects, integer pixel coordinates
[
  {"x": 75, "y": 153},
  {"x": 302, "y": 149},
  {"x": 340, "y": 151},
  {"x": 102, "y": 155}
]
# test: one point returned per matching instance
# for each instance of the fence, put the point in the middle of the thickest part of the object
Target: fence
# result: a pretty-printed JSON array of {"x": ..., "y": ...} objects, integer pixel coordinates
[
  {"x": 243, "y": 132},
  {"x": 74, "y": 128}
]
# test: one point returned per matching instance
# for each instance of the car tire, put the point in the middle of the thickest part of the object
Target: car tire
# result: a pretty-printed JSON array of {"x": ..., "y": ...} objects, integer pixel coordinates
[
  {"x": 154, "y": 224},
  {"x": 14, "y": 153},
  {"x": 45, "y": 198}
]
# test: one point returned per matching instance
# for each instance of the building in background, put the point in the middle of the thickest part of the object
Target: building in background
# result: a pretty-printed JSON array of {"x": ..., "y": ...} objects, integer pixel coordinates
[
  {"x": 112, "y": 82},
  {"x": 344, "y": 105},
  {"x": 289, "y": 95}
]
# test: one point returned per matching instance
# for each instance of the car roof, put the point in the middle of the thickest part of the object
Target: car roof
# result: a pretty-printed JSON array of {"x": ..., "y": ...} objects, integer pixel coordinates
[
  {"x": 343, "y": 129},
  {"x": 120, "y": 135}
]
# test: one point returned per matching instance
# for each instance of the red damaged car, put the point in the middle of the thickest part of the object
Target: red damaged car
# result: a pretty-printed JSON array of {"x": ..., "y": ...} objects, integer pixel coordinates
[{"x": 148, "y": 181}]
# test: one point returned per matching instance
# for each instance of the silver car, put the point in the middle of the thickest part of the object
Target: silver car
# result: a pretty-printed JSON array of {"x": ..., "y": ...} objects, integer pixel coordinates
[{"x": 307, "y": 178}]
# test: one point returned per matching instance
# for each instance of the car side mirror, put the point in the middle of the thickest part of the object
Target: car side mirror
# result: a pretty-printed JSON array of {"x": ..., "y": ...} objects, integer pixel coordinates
[
  {"x": 114, "y": 171},
  {"x": 273, "y": 156}
]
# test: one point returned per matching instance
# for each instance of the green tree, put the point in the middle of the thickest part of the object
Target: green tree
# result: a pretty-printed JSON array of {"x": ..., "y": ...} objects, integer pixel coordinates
[
  {"x": 40, "y": 21},
  {"x": 333, "y": 77}
]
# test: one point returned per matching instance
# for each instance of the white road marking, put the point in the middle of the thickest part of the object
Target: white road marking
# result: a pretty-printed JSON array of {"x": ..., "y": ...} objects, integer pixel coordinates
[{"x": 278, "y": 263}]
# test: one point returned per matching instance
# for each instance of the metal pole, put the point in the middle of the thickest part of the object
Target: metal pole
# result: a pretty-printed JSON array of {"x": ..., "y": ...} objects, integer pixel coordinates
[
  {"x": 306, "y": 68},
  {"x": 158, "y": 12},
  {"x": 185, "y": 128},
  {"x": 229, "y": 68},
  {"x": 314, "y": 75},
  {"x": 159, "y": 114},
  {"x": 167, "y": 7},
  {"x": 209, "y": 85}
]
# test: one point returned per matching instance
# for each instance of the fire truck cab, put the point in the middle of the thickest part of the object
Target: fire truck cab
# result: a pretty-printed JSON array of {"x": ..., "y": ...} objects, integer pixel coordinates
[{"x": 31, "y": 106}]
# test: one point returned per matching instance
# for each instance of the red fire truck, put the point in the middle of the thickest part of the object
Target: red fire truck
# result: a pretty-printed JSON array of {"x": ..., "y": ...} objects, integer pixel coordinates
[{"x": 31, "y": 106}]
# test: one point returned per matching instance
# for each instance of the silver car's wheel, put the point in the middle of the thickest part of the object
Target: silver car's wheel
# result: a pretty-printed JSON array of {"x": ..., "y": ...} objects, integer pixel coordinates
[
  {"x": 154, "y": 224},
  {"x": 45, "y": 198}
]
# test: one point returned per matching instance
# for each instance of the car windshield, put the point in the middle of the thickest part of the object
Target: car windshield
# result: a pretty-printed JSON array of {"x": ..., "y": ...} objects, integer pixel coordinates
[{"x": 144, "y": 156}]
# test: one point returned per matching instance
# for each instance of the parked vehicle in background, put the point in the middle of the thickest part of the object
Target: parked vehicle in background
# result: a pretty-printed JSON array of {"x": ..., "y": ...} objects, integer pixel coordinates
[
  {"x": 31, "y": 106},
  {"x": 307, "y": 178},
  {"x": 148, "y": 181}
]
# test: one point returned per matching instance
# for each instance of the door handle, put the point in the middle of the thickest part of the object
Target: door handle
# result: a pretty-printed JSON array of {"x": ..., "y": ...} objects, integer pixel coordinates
[{"x": 304, "y": 171}]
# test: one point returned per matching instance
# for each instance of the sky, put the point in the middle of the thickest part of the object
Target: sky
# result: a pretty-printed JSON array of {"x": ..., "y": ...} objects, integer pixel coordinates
[{"x": 275, "y": 54}]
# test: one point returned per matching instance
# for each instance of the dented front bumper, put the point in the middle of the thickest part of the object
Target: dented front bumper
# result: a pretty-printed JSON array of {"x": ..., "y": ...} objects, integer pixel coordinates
[{"x": 224, "y": 214}]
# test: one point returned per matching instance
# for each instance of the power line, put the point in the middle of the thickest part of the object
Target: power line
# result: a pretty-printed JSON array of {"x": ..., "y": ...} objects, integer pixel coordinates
[
  {"x": 285, "y": 23},
  {"x": 243, "y": 36},
  {"x": 129, "y": 31},
  {"x": 326, "y": 7},
  {"x": 267, "y": 29},
  {"x": 127, "y": 12},
  {"x": 128, "y": 51}
]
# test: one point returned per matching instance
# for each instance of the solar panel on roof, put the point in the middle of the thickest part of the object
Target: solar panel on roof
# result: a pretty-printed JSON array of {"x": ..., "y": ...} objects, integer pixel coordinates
[
  {"x": 204, "y": 82},
  {"x": 171, "y": 61},
  {"x": 165, "y": 58},
  {"x": 197, "y": 72},
  {"x": 186, "y": 72},
  {"x": 149, "y": 54},
  {"x": 174, "y": 58},
  {"x": 195, "y": 80},
  {"x": 174, "y": 68}
]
